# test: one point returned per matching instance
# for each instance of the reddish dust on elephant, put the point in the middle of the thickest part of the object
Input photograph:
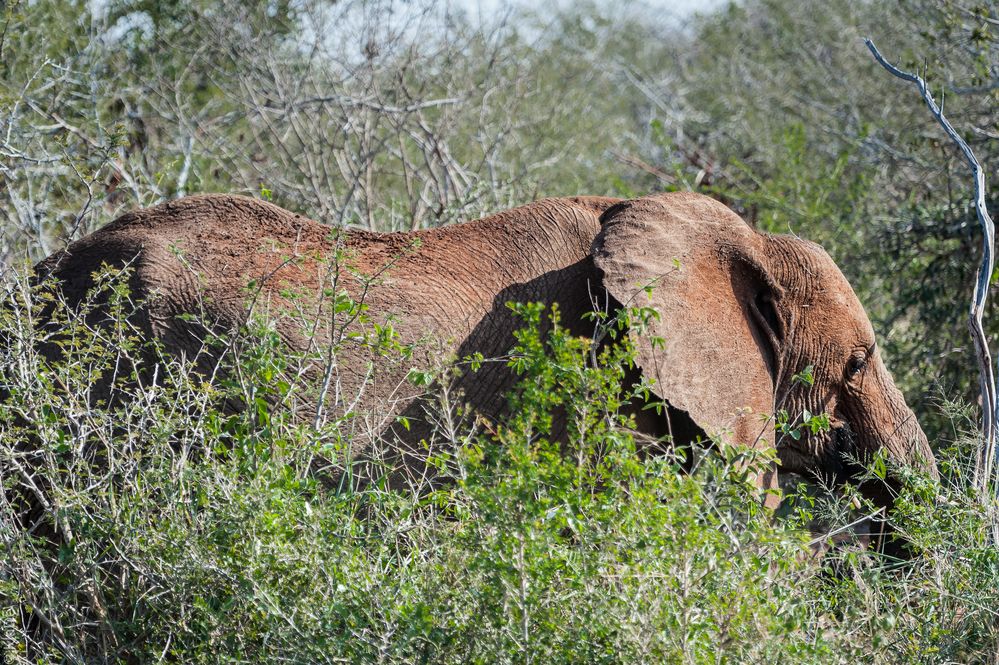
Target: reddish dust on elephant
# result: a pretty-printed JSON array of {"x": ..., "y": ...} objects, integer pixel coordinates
[{"x": 741, "y": 312}]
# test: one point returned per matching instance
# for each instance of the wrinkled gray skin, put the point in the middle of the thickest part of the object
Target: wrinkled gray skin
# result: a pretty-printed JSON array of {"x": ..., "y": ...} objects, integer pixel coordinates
[{"x": 741, "y": 311}]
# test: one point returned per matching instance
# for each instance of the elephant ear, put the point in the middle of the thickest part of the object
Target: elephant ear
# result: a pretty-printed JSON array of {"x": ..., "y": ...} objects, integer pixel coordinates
[{"x": 718, "y": 323}]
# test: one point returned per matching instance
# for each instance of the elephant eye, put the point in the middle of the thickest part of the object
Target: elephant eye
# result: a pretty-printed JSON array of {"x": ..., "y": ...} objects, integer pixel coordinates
[{"x": 856, "y": 365}]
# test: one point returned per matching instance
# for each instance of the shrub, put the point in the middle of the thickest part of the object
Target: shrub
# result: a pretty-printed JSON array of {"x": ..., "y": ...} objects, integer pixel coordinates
[{"x": 167, "y": 524}]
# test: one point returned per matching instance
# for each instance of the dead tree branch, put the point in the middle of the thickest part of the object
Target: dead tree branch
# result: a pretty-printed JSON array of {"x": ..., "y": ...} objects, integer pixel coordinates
[{"x": 985, "y": 464}]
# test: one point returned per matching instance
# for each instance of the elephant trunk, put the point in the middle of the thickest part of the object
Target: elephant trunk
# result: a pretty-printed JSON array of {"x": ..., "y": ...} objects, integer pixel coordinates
[
  {"x": 904, "y": 440},
  {"x": 888, "y": 425}
]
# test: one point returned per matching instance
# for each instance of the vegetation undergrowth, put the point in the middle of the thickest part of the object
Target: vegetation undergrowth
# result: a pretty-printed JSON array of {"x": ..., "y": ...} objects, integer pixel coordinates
[{"x": 145, "y": 517}]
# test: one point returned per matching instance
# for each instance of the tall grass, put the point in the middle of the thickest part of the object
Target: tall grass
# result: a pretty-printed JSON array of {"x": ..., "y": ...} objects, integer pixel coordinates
[{"x": 151, "y": 514}]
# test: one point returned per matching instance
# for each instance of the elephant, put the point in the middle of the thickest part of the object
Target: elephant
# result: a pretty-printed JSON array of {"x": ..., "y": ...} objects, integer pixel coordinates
[{"x": 742, "y": 313}]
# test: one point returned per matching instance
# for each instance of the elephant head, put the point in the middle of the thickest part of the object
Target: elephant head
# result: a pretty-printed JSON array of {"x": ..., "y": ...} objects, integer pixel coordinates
[{"x": 742, "y": 315}]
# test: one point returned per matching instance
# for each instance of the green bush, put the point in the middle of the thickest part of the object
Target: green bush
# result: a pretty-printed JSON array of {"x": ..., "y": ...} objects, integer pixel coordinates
[{"x": 166, "y": 524}]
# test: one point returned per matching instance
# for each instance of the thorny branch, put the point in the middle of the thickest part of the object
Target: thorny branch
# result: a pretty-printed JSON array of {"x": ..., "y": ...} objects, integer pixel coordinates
[{"x": 985, "y": 464}]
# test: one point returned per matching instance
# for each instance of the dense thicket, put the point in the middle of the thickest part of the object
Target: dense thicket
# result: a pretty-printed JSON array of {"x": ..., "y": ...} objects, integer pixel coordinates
[
  {"x": 403, "y": 115},
  {"x": 394, "y": 116}
]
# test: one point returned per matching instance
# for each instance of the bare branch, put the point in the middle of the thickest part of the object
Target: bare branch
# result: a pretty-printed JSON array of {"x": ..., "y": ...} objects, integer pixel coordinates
[
  {"x": 985, "y": 463},
  {"x": 374, "y": 106}
]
